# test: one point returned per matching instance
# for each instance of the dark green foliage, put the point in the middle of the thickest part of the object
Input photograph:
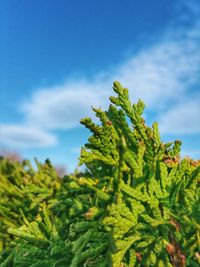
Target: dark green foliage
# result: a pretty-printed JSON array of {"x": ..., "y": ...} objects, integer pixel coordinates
[{"x": 137, "y": 204}]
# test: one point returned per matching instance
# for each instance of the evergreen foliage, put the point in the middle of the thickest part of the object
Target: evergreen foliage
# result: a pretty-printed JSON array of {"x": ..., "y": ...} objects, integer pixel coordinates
[{"x": 137, "y": 204}]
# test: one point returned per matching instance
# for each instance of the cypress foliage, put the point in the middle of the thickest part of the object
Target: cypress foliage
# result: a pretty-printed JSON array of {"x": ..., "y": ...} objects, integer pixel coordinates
[
  {"x": 137, "y": 204},
  {"x": 22, "y": 189}
]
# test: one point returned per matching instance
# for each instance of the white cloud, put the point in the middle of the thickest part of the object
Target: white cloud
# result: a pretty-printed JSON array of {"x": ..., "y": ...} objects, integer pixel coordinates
[
  {"x": 168, "y": 69},
  {"x": 25, "y": 136},
  {"x": 159, "y": 74},
  {"x": 62, "y": 107},
  {"x": 163, "y": 72},
  {"x": 183, "y": 118}
]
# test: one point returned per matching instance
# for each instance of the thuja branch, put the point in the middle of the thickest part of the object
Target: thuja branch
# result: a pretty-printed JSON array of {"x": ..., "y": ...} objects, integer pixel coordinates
[{"x": 136, "y": 204}]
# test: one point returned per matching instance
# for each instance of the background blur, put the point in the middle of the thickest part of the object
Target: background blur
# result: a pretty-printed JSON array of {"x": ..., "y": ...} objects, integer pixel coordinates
[{"x": 57, "y": 58}]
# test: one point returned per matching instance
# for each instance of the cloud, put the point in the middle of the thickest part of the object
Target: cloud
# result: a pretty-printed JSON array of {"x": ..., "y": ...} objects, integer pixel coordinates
[
  {"x": 170, "y": 67},
  {"x": 159, "y": 74},
  {"x": 25, "y": 136},
  {"x": 183, "y": 118},
  {"x": 62, "y": 107},
  {"x": 163, "y": 74}
]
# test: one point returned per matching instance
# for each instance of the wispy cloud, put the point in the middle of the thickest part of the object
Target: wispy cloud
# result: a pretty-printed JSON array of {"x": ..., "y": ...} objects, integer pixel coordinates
[
  {"x": 62, "y": 107},
  {"x": 163, "y": 74},
  {"x": 182, "y": 118},
  {"x": 25, "y": 136}
]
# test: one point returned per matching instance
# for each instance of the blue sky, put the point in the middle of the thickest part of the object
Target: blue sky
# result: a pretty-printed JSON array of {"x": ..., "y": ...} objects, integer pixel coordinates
[{"x": 57, "y": 58}]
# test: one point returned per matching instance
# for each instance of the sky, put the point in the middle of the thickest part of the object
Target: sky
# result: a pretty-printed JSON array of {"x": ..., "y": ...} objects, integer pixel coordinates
[{"x": 59, "y": 58}]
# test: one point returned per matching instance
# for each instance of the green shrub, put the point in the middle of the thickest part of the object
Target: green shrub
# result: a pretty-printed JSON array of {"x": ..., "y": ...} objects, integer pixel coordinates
[{"x": 137, "y": 204}]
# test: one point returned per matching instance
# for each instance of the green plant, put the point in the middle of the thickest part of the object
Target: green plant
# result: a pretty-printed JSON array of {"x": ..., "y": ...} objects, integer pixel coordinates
[
  {"x": 22, "y": 189},
  {"x": 137, "y": 204}
]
